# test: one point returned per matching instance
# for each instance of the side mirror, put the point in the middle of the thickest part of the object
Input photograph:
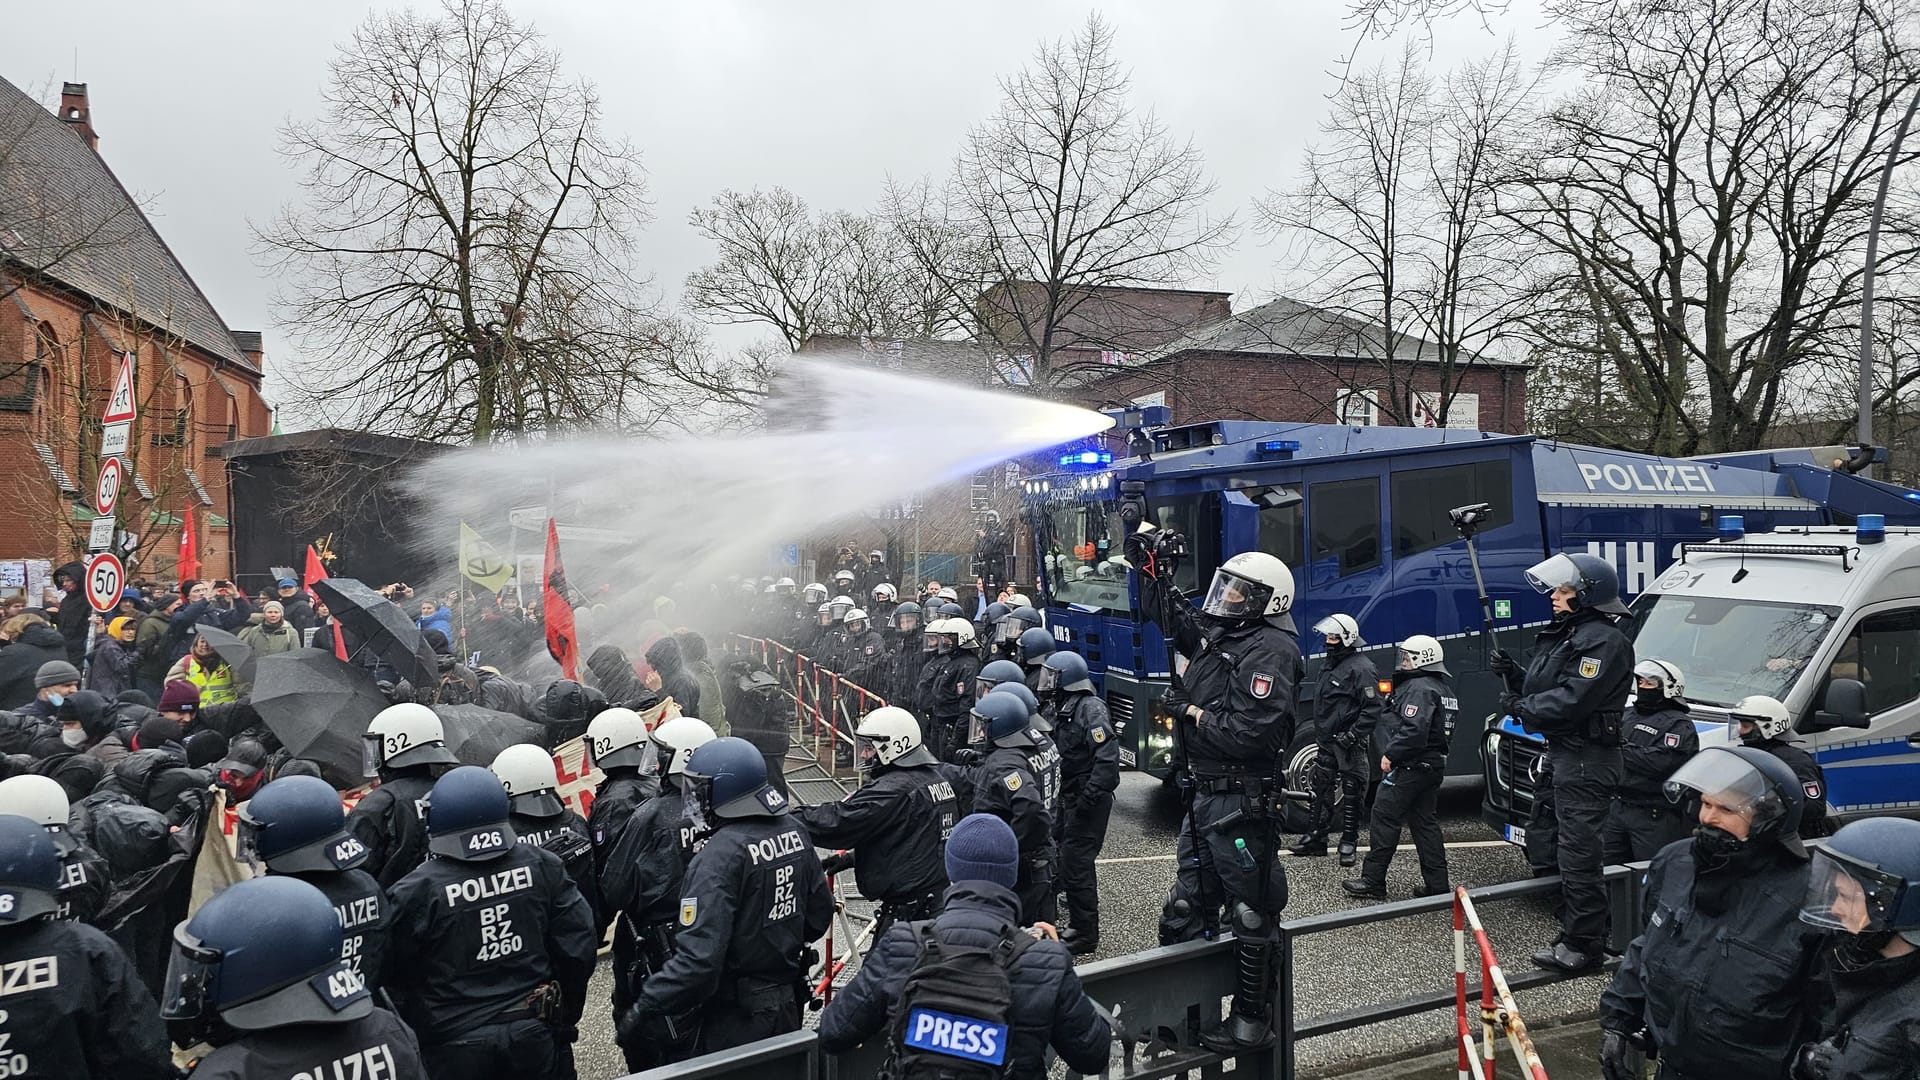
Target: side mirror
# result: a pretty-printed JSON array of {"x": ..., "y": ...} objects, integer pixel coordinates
[{"x": 1843, "y": 706}]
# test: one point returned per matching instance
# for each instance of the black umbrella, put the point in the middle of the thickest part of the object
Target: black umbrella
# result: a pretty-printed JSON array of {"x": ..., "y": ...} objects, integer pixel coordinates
[
  {"x": 238, "y": 654},
  {"x": 381, "y": 626},
  {"x": 477, "y": 734},
  {"x": 319, "y": 708}
]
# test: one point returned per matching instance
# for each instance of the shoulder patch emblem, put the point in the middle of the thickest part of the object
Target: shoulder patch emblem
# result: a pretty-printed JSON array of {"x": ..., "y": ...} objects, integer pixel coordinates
[
  {"x": 1261, "y": 686},
  {"x": 1812, "y": 789},
  {"x": 1012, "y": 780},
  {"x": 689, "y": 910},
  {"x": 1372, "y": 693},
  {"x": 1411, "y": 710},
  {"x": 1589, "y": 667},
  {"x": 1673, "y": 741},
  {"x": 1099, "y": 735}
]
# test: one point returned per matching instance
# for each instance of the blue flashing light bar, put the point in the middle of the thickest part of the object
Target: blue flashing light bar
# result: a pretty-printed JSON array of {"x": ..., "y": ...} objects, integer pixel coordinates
[
  {"x": 1870, "y": 528},
  {"x": 1278, "y": 448},
  {"x": 1732, "y": 527},
  {"x": 1086, "y": 459}
]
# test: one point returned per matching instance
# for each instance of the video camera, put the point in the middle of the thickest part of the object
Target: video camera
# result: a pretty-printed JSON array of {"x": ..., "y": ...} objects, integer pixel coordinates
[{"x": 1468, "y": 519}]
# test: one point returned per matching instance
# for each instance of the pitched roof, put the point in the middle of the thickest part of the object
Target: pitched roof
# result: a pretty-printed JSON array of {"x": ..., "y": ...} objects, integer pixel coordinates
[
  {"x": 1286, "y": 327},
  {"x": 64, "y": 212}
]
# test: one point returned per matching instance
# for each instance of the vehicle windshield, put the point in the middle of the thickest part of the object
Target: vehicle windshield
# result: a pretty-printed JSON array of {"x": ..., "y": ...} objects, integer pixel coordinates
[
  {"x": 1085, "y": 564},
  {"x": 1730, "y": 648}
]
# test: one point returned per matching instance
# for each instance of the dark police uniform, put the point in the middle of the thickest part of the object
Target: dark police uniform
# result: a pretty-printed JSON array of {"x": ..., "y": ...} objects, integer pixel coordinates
[
  {"x": 754, "y": 898},
  {"x": 1413, "y": 735},
  {"x": 85, "y": 879},
  {"x": 1813, "y": 783},
  {"x": 866, "y": 660},
  {"x": 946, "y": 696},
  {"x": 897, "y": 826},
  {"x": 471, "y": 943},
  {"x": 387, "y": 820},
  {"x": 376, "y": 1045},
  {"x": 1660, "y": 737},
  {"x": 1726, "y": 987},
  {"x": 1089, "y": 773},
  {"x": 366, "y": 914},
  {"x": 565, "y": 834},
  {"x": 75, "y": 1009},
  {"x": 641, "y": 889},
  {"x": 614, "y": 801},
  {"x": 909, "y": 658},
  {"x": 1876, "y": 1019},
  {"x": 1346, "y": 706},
  {"x": 1574, "y": 693},
  {"x": 1007, "y": 786}
]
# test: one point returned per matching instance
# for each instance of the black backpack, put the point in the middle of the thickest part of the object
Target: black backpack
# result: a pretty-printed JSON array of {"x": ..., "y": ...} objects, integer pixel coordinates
[{"x": 954, "y": 1020}]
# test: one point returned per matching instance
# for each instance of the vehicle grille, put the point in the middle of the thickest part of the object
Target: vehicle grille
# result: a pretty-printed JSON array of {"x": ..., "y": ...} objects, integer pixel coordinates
[{"x": 1515, "y": 765}]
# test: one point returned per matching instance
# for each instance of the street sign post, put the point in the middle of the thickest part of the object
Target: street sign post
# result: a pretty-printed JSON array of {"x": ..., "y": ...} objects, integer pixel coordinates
[
  {"x": 115, "y": 426},
  {"x": 113, "y": 439},
  {"x": 100, "y": 534},
  {"x": 105, "y": 579},
  {"x": 120, "y": 403},
  {"x": 107, "y": 491}
]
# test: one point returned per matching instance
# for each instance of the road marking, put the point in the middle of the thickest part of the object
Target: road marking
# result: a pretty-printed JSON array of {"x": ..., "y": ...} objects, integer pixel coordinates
[{"x": 1457, "y": 844}]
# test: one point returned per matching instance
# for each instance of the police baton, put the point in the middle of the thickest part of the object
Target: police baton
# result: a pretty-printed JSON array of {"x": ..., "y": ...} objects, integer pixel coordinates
[{"x": 1467, "y": 520}]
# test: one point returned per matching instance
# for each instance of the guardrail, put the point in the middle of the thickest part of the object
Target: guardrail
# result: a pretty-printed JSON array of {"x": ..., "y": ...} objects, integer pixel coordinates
[
  {"x": 1161, "y": 998},
  {"x": 826, "y": 703}
]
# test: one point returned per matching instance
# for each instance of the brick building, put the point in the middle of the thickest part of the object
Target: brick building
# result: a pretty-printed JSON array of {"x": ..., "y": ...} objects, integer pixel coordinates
[
  {"x": 1093, "y": 328},
  {"x": 84, "y": 281},
  {"x": 1286, "y": 360}
]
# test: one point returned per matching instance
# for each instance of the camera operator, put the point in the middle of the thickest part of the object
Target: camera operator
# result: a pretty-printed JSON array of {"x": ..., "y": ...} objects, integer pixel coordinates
[{"x": 1233, "y": 710}]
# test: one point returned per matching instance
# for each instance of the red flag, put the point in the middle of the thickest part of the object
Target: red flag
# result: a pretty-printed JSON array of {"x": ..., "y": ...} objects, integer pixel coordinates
[
  {"x": 315, "y": 571},
  {"x": 561, "y": 643},
  {"x": 189, "y": 561},
  {"x": 339, "y": 640}
]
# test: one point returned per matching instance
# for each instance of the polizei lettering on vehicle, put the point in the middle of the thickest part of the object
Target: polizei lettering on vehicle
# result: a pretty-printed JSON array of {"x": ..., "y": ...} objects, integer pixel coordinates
[
  {"x": 488, "y": 886},
  {"x": 776, "y": 847},
  {"x": 1646, "y": 476}
]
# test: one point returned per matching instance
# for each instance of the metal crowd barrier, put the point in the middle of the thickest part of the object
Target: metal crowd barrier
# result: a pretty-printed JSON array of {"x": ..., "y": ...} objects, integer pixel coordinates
[{"x": 1162, "y": 996}]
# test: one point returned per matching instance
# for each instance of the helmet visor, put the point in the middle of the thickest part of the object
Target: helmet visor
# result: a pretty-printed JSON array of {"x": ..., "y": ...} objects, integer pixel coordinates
[
  {"x": 370, "y": 757},
  {"x": 696, "y": 792},
  {"x": 1047, "y": 680},
  {"x": 191, "y": 971},
  {"x": 906, "y": 621},
  {"x": 1843, "y": 894},
  {"x": 868, "y": 751},
  {"x": 1552, "y": 573},
  {"x": 1729, "y": 782},
  {"x": 1234, "y": 597},
  {"x": 1008, "y": 629},
  {"x": 246, "y": 843},
  {"x": 1331, "y": 629},
  {"x": 977, "y": 729}
]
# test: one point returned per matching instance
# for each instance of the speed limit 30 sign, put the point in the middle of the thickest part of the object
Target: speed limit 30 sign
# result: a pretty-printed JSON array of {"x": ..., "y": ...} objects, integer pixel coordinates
[
  {"x": 105, "y": 579},
  {"x": 108, "y": 489}
]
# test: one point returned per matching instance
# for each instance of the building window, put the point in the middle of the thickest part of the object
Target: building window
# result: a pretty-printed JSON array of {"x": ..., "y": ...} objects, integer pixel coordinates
[
  {"x": 1422, "y": 497},
  {"x": 1356, "y": 408},
  {"x": 1344, "y": 519}
]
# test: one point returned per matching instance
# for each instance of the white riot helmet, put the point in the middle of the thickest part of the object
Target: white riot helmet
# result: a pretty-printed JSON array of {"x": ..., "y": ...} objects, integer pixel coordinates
[
  {"x": 960, "y": 630},
  {"x": 1673, "y": 685},
  {"x": 825, "y": 612},
  {"x": 406, "y": 735},
  {"x": 1339, "y": 628},
  {"x": 1015, "y": 600},
  {"x": 814, "y": 593},
  {"x": 617, "y": 738},
  {"x": 839, "y": 606},
  {"x": 39, "y": 799},
  {"x": 963, "y": 631},
  {"x": 784, "y": 586},
  {"x": 1423, "y": 653},
  {"x": 885, "y": 593},
  {"x": 678, "y": 738},
  {"x": 532, "y": 782},
  {"x": 1768, "y": 717},
  {"x": 948, "y": 594},
  {"x": 893, "y": 736},
  {"x": 1251, "y": 585},
  {"x": 855, "y": 615}
]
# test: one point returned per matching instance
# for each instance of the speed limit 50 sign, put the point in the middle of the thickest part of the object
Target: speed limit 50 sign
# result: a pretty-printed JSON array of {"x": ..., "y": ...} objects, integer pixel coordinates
[{"x": 105, "y": 580}]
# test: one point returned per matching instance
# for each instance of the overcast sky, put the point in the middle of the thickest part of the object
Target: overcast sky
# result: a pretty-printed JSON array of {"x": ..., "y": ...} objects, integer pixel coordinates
[{"x": 826, "y": 99}]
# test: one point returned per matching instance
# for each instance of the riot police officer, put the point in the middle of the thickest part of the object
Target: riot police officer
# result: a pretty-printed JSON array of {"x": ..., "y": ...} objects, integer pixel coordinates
[
  {"x": 85, "y": 879},
  {"x": 1723, "y": 980},
  {"x": 945, "y": 692},
  {"x": 1001, "y": 633},
  {"x": 1763, "y": 723},
  {"x": 616, "y": 744},
  {"x": 909, "y": 655},
  {"x": 1346, "y": 706},
  {"x": 1574, "y": 693},
  {"x": 995, "y": 674},
  {"x": 1011, "y": 783},
  {"x": 895, "y": 823},
  {"x": 294, "y": 827},
  {"x": 641, "y": 882},
  {"x": 1089, "y": 773},
  {"x": 492, "y": 945},
  {"x": 1036, "y": 645},
  {"x": 1412, "y": 739},
  {"x": 753, "y": 900},
  {"x": 866, "y": 652},
  {"x": 1235, "y": 711},
  {"x": 539, "y": 817},
  {"x": 258, "y": 973},
  {"x": 407, "y": 749},
  {"x": 78, "y": 1009},
  {"x": 1865, "y": 884},
  {"x": 1659, "y": 738}
]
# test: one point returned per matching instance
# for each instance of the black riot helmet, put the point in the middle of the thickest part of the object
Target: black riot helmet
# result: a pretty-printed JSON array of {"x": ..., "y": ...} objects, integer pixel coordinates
[
  {"x": 906, "y": 617},
  {"x": 1748, "y": 781},
  {"x": 1594, "y": 581}
]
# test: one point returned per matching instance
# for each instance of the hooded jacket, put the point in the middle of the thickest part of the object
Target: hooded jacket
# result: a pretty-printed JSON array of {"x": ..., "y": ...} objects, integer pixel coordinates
[
  {"x": 74, "y": 613},
  {"x": 21, "y": 660},
  {"x": 110, "y": 668},
  {"x": 713, "y": 709},
  {"x": 675, "y": 680}
]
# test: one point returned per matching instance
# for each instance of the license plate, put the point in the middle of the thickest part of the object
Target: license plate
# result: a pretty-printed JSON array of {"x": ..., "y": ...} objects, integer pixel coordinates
[
  {"x": 1516, "y": 834},
  {"x": 1126, "y": 758}
]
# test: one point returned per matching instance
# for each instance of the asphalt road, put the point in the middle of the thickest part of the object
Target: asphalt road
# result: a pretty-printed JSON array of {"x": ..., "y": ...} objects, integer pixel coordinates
[{"x": 1335, "y": 971}]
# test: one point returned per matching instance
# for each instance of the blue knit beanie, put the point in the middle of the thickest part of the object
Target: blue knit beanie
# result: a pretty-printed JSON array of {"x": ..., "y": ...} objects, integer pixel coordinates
[{"x": 982, "y": 848}]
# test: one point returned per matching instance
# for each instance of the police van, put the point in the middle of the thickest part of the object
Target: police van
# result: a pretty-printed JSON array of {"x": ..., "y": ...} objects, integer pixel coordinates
[
  {"x": 1361, "y": 515},
  {"x": 1824, "y": 618}
]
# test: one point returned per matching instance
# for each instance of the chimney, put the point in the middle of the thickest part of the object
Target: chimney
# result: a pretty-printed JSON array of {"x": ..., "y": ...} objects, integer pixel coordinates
[
  {"x": 251, "y": 345},
  {"x": 74, "y": 111}
]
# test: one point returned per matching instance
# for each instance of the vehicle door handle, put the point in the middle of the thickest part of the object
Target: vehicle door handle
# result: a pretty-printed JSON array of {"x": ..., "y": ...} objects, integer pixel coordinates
[{"x": 1914, "y": 740}]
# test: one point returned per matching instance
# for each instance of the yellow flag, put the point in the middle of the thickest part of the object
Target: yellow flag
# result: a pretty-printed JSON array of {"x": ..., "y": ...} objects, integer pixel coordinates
[{"x": 480, "y": 563}]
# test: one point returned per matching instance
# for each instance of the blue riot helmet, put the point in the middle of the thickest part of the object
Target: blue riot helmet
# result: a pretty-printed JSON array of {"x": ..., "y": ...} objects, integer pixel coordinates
[
  {"x": 1035, "y": 644},
  {"x": 994, "y": 613},
  {"x": 1027, "y": 616},
  {"x": 296, "y": 825},
  {"x": 1001, "y": 719},
  {"x": 1039, "y": 722},
  {"x": 264, "y": 953},
  {"x": 1866, "y": 880},
  {"x": 727, "y": 778},
  {"x": 29, "y": 871},
  {"x": 1750, "y": 782},
  {"x": 951, "y": 610},
  {"x": 995, "y": 673},
  {"x": 906, "y": 617},
  {"x": 466, "y": 816},
  {"x": 1063, "y": 670},
  {"x": 1593, "y": 580}
]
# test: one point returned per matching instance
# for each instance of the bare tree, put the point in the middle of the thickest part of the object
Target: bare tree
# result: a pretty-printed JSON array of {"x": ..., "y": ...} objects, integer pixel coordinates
[
  {"x": 1702, "y": 201},
  {"x": 1065, "y": 192},
  {"x": 459, "y": 269}
]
